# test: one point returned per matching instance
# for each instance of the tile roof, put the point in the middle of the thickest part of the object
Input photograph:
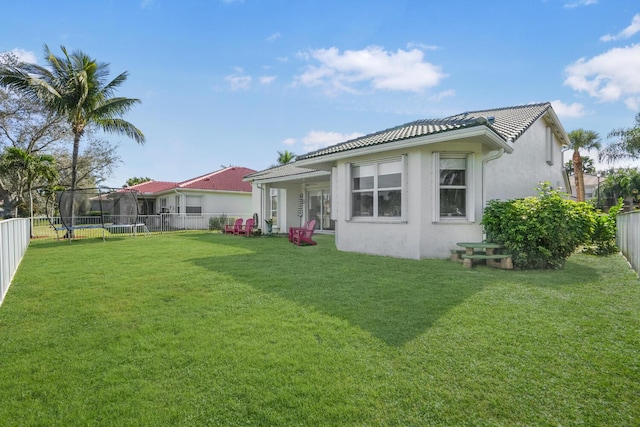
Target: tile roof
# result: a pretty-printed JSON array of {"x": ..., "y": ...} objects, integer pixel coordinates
[
  {"x": 288, "y": 170},
  {"x": 227, "y": 179},
  {"x": 153, "y": 186},
  {"x": 508, "y": 123}
]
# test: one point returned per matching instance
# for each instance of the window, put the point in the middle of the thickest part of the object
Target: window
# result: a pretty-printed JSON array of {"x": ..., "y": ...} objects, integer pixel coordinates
[
  {"x": 453, "y": 189},
  {"x": 177, "y": 199},
  {"x": 376, "y": 189},
  {"x": 194, "y": 205},
  {"x": 273, "y": 207}
]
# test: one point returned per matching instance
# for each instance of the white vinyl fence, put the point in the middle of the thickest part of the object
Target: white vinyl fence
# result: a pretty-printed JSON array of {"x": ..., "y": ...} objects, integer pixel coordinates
[
  {"x": 14, "y": 241},
  {"x": 93, "y": 226},
  {"x": 628, "y": 237}
]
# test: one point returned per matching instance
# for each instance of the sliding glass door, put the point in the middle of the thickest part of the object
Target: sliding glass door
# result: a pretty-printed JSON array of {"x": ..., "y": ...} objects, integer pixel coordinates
[{"x": 319, "y": 208}]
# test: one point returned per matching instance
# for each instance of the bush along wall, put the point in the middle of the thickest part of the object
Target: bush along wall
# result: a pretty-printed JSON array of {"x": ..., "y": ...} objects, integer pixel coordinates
[{"x": 540, "y": 232}]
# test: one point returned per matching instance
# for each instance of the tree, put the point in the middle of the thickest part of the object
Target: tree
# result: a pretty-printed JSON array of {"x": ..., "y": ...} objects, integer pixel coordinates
[
  {"x": 136, "y": 180},
  {"x": 285, "y": 157},
  {"x": 96, "y": 162},
  {"x": 581, "y": 139},
  {"x": 75, "y": 88},
  {"x": 587, "y": 166},
  {"x": 626, "y": 145},
  {"x": 621, "y": 183},
  {"x": 20, "y": 172}
]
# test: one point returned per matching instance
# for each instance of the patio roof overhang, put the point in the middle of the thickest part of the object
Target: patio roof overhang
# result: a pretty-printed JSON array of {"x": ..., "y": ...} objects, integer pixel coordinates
[{"x": 306, "y": 177}]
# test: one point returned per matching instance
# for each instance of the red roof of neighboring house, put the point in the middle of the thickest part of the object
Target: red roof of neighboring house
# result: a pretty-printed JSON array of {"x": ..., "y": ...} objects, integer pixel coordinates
[
  {"x": 154, "y": 186},
  {"x": 227, "y": 179}
]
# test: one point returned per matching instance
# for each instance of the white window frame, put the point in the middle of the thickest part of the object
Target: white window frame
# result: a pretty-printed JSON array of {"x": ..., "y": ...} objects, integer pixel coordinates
[
  {"x": 469, "y": 187},
  {"x": 274, "y": 193},
  {"x": 402, "y": 163},
  {"x": 189, "y": 205}
]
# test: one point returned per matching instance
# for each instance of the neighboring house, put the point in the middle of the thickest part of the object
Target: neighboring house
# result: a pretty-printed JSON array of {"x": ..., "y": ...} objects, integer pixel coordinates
[
  {"x": 591, "y": 183},
  {"x": 222, "y": 191},
  {"x": 415, "y": 190}
]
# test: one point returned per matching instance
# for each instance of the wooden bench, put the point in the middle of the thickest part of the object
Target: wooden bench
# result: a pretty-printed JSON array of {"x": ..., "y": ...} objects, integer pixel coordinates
[{"x": 494, "y": 260}]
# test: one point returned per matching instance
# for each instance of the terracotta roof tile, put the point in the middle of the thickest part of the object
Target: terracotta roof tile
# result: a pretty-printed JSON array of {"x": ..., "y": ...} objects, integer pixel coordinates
[
  {"x": 227, "y": 179},
  {"x": 153, "y": 186}
]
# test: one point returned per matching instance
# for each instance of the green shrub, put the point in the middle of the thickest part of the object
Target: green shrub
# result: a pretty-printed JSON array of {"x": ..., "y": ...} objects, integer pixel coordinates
[
  {"x": 540, "y": 232},
  {"x": 217, "y": 222},
  {"x": 603, "y": 238}
]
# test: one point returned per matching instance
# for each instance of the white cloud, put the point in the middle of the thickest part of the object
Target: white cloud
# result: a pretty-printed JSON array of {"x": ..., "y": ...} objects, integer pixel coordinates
[
  {"x": 626, "y": 33},
  {"x": 24, "y": 56},
  {"x": 265, "y": 80},
  {"x": 403, "y": 70},
  {"x": 611, "y": 76},
  {"x": 633, "y": 103},
  {"x": 317, "y": 139},
  {"x": 578, "y": 3},
  {"x": 421, "y": 46},
  {"x": 290, "y": 141},
  {"x": 441, "y": 95},
  {"x": 273, "y": 37},
  {"x": 563, "y": 110},
  {"x": 238, "y": 82}
]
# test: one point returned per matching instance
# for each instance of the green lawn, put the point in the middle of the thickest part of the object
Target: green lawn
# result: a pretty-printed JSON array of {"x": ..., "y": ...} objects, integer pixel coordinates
[{"x": 207, "y": 329}]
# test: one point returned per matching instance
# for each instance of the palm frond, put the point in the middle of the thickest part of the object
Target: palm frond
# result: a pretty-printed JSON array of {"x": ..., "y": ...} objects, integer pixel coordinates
[{"x": 120, "y": 126}]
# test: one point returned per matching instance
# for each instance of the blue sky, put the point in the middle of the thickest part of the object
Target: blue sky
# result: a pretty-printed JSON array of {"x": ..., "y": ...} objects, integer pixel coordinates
[{"x": 234, "y": 81}]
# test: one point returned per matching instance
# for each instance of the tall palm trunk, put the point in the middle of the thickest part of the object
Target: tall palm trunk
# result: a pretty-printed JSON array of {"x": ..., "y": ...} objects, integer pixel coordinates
[
  {"x": 579, "y": 176},
  {"x": 74, "y": 176}
]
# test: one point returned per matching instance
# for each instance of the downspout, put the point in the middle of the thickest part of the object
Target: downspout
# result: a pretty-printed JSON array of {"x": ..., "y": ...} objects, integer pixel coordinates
[
  {"x": 493, "y": 155},
  {"x": 262, "y": 210}
]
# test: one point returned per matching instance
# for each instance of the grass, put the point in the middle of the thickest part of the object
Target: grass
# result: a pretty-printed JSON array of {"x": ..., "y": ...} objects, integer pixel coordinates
[{"x": 206, "y": 329}]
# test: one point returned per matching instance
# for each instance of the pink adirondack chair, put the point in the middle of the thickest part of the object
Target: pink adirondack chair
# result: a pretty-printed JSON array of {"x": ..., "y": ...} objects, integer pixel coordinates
[
  {"x": 294, "y": 229},
  {"x": 302, "y": 236},
  {"x": 233, "y": 228},
  {"x": 246, "y": 229}
]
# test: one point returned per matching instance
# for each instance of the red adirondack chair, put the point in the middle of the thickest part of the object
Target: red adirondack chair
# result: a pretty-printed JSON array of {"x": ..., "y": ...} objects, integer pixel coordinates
[
  {"x": 233, "y": 228},
  {"x": 302, "y": 235},
  {"x": 293, "y": 230},
  {"x": 246, "y": 229}
]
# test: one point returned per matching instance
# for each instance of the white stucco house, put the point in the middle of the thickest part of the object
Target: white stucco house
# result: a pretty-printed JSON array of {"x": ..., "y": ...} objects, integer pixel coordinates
[
  {"x": 414, "y": 190},
  {"x": 221, "y": 191}
]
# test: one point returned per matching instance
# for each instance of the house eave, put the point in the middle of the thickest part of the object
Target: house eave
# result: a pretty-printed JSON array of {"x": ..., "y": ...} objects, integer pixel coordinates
[
  {"x": 487, "y": 136},
  {"x": 296, "y": 177}
]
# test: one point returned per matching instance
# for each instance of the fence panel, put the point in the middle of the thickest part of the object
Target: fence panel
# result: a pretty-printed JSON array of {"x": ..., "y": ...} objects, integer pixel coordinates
[
  {"x": 628, "y": 237},
  {"x": 14, "y": 241}
]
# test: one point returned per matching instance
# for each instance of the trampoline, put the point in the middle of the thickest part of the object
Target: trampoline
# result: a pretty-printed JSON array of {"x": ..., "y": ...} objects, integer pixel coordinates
[{"x": 112, "y": 211}]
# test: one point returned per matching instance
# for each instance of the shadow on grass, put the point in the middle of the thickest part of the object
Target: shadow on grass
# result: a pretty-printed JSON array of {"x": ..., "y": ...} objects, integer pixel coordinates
[
  {"x": 393, "y": 299},
  {"x": 51, "y": 243}
]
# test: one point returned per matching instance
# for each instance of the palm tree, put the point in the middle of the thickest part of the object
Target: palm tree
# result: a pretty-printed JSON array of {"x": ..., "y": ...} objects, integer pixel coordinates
[
  {"x": 581, "y": 139},
  {"x": 75, "y": 87},
  {"x": 28, "y": 170},
  {"x": 626, "y": 146},
  {"x": 285, "y": 157}
]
